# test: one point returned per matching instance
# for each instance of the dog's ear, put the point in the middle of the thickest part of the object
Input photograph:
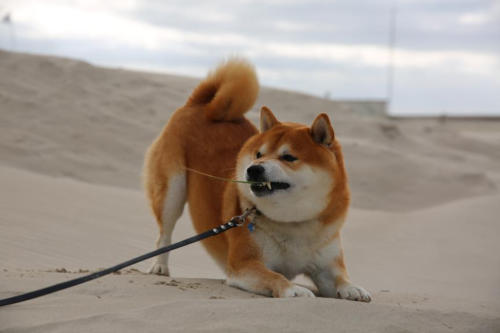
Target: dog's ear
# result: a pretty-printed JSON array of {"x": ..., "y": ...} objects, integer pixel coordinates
[
  {"x": 267, "y": 119},
  {"x": 322, "y": 130}
]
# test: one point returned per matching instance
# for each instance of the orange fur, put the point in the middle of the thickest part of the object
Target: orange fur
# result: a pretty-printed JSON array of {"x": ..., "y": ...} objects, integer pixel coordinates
[
  {"x": 192, "y": 139},
  {"x": 210, "y": 134},
  {"x": 227, "y": 93}
]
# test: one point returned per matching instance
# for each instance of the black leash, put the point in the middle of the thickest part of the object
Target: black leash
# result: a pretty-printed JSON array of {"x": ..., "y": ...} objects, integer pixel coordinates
[{"x": 234, "y": 222}]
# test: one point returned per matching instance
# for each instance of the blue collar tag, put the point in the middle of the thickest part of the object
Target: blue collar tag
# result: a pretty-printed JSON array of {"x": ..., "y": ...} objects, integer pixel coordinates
[{"x": 251, "y": 226}]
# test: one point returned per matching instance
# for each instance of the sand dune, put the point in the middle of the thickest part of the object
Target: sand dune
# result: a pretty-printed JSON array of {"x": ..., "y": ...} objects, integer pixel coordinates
[
  {"x": 422, "y": 234},
  {"x": 67, "y": 118}
]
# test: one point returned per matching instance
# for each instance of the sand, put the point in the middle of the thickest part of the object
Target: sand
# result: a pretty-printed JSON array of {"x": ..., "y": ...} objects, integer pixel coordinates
[{"x": 421, "y": 235}]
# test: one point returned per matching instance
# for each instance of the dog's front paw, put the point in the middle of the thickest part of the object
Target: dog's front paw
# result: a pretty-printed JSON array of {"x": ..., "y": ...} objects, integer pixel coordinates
[
  {"x": 296, "y": 291},
  {"x": 354, "y": 293},
  {"x": 159, "y": 268}
]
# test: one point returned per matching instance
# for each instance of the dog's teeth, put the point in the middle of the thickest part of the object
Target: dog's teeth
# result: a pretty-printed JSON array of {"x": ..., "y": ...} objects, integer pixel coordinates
[{"x": 268, "y": 184}]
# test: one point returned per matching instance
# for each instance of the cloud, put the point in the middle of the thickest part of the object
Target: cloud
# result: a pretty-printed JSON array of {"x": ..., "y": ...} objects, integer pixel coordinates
[
  {"x": 474, "y": 18},
  {"x": 65, "y": 22},
  {"x": 310, "y": 46}
]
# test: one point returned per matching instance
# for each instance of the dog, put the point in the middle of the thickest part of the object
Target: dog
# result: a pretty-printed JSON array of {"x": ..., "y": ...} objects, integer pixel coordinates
[{"x": 298, "y": 186}]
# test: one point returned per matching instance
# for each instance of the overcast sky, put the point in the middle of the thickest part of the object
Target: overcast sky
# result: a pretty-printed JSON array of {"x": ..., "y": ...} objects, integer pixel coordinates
[{"x": 447, "y": 56}]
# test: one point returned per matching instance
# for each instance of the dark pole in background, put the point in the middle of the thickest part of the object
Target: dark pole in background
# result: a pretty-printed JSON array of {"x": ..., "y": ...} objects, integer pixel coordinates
[
  {"x": 7, "y": 20},
  {"x": 390, "y": 64}
]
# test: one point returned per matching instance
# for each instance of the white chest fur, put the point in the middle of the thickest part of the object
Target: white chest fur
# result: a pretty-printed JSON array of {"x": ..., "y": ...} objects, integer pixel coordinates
[{"x": 296, "y": 248}]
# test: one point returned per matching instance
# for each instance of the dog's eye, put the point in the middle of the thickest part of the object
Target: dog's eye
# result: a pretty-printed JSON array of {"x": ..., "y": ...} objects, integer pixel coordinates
[
  {"x": 258, "y": 155},
  {"x": 288, "y": 158}
]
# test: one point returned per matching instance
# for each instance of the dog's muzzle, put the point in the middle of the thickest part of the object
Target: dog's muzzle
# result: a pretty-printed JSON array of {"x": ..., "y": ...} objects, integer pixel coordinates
[{"x": 262, "y": 185}]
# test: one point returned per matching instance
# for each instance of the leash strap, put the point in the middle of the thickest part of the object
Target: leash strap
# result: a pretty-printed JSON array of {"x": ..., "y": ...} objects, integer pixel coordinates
[{"x": 236, "y": 221}]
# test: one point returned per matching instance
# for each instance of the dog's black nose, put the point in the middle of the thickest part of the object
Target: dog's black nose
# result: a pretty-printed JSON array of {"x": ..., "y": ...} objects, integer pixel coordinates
[{"x": 255, "y": 172}]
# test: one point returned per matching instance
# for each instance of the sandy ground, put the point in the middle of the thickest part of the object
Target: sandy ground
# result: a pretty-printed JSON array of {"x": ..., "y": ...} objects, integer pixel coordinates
[{"x": 422, "y": 235}]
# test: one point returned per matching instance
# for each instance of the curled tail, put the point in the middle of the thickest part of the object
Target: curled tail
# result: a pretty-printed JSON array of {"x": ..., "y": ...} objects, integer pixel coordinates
[{"x": 228, "y": 92}]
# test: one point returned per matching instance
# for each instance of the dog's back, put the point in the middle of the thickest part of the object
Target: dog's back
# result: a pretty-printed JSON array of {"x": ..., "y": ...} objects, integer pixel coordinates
[{"x": 206, "y": 134}]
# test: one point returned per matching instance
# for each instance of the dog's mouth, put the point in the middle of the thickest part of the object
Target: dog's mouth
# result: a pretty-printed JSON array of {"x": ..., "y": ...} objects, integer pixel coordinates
[{"x": 266, "y": 188}]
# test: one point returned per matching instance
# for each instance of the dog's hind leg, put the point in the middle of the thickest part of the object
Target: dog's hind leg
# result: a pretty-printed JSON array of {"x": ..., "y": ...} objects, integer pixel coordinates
[{"x": 166, "y": 188}]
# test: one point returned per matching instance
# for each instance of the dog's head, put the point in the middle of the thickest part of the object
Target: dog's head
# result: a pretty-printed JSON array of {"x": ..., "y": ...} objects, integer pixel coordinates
[{"x": 300, "y": 170}]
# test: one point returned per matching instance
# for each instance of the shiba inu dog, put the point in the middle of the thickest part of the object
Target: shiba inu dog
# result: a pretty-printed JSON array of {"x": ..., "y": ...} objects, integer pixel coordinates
[{"x": 299, "y": 187}]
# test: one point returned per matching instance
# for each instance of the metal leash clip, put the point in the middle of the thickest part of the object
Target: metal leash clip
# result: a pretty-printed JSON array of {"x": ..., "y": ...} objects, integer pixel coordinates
[
  {"x": 236, "y": 221},
  {"x": 240, "y": 219}
]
